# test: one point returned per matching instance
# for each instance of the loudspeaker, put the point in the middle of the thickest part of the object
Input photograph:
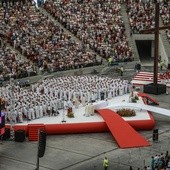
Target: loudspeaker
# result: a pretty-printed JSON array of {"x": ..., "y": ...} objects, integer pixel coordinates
[
  {"x": 155, "y": 135},
  {"x": 6, "y": 135},
  {"x": 19, "y": 136},
  {"x": 42, "y": 143},
  {"x": 168, "y": 66}
]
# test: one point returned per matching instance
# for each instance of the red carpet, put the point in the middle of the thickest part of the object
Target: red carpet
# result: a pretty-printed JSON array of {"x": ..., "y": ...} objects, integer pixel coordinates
[
  {"x": 123, "y": 133},
  {"x": 149, "y": 98}
]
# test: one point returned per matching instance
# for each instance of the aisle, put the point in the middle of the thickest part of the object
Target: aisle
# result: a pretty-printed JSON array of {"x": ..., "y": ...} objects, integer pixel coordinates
[{"x": 123, "y": 133}]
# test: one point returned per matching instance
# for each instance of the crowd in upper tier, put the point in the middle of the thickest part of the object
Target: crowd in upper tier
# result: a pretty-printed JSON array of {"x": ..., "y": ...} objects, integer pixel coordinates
[
  {"x": 142, "y": 15},
  {"x": 13, "y": 66},
  {"x": 41, "y": 41},
  {"x": 97, "y": 23}
]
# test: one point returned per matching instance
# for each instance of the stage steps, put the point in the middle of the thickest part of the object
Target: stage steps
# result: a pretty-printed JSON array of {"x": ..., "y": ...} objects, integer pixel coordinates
[
  {"x": 148, "y": 98},
  {"x": 33, "y": 131}
]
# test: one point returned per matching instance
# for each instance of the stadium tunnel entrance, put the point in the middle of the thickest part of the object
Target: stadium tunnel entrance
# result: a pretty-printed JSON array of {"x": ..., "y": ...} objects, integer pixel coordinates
[{"x": 146, "y": 50}]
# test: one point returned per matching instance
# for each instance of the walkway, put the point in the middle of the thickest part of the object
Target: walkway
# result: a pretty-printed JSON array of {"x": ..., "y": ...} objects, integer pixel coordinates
[{"x": 123, "y": 133}]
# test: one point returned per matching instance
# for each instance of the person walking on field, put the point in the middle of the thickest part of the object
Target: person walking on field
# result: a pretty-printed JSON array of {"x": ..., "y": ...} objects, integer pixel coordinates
[{"x": 105, "y": 163}]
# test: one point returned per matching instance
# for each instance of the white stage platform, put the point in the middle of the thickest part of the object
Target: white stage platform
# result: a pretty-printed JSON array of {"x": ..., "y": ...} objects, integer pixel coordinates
[{"x": 117, "y": 102}]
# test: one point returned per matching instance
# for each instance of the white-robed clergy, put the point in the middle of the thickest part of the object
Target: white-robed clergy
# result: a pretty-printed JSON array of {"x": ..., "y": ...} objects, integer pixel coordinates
[
  {"x": 87, "y": 110},
  {"x": 76, "y": 103},
  {"x": 41, "y": 110},
  {"x": 83, "y": 101},
  {"x": 31, "y": 114},
  {"x": 20, "y": 116},
  {"x": 91, "y": 109},
  {"x": 109, "y": 94},
  {"x": 56, "y": 90},
  {"x": 70, "y": 104},
  {"x": 121, "y": 90},
  {"x": 44, "y": 109},
  {"x": 37, "y": 111}
]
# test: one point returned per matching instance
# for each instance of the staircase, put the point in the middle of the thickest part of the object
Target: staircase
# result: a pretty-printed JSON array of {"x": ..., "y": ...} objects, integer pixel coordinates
[
  {"x": 148, "y": 98},
  {"x": 165, "y": 39},
  {"x": 130, "y": 38},
  {"x": 33, "y": 131}
]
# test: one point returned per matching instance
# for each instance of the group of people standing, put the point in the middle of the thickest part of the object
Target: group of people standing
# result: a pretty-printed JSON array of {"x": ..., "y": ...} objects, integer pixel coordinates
[
  {"x": 52, "y": 94},
  {"x": 98, "y": 24}
]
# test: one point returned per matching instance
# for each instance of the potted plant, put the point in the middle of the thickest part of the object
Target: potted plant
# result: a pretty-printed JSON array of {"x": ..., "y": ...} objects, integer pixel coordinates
[{"x": 126, "y": 112}]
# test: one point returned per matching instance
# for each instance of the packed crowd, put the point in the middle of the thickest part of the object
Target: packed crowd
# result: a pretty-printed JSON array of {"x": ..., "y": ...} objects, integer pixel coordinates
[
  {"x": 48, "y": 96},
  {"x": 13, "y": 66},
  {"x": 97, "y": 23},
  {"x": 168, "y": 35},
  {"x": 142, "y": 15},
  {"x": 43, "y": 42},
  {"x": 165, "y": 12}
]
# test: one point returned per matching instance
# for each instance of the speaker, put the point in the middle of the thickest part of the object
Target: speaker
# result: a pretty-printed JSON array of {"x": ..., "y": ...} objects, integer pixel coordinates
[
  {"x": 155, "y": 135},
  {"x": 19, "y": 136},
  {"x": 169, "y": 66},
  {"x": 42, "y": 143},
  {"x": 6, "y": 135}
]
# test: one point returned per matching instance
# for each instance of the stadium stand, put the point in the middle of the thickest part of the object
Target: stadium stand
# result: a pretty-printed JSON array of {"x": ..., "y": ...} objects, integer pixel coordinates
[
  {"x": 44, "y": 43},
  {"x": 98, "y": 24}
]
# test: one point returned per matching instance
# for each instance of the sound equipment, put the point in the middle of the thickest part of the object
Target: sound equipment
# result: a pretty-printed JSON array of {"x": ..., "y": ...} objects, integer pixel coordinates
[
  {"x": 168, "y": 66},
  {"x": 154, "y": 89},
  {"x": 155, "y": 135},
  {"x": 6, "y": 135},
  {"x": 42, "y": 143},
  {"x": 19, "y": 136}
]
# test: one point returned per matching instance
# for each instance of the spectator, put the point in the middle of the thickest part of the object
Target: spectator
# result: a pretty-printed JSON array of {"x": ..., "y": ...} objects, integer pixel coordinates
[
  {"x": 152, "y": 163},
  {"x": 98, "y": 24},
  {"x": 41, "y": 41}
]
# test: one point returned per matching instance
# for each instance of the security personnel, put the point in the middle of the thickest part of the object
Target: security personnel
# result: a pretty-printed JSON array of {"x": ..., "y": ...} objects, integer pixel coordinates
[
  {"x": 110, "y": 60},
  {"x": 161, "y": 65},
  {"x": 105, "y": 163}
]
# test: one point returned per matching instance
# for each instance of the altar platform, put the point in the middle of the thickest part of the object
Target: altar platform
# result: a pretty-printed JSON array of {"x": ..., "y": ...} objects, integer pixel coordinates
[
  {"x": 81, "y": 124},
  {"x": 104, "y": 119}
]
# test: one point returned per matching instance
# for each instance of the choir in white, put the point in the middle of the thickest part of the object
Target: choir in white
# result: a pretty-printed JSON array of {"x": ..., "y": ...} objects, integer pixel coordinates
[{"x": 45, "y": 98}]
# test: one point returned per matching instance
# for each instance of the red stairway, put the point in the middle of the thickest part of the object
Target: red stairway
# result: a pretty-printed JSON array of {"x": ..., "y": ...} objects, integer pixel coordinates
[
  {"x": 145, "y": 76},
  {"x": 33, "y": 131},
  {"x": 148, "y": 98}
]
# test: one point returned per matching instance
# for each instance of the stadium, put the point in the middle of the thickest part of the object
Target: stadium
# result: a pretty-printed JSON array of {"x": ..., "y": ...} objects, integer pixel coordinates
[{"x": 81, "y": 80}]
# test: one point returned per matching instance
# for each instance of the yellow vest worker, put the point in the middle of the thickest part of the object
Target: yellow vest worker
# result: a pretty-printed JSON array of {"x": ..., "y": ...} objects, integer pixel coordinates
[
  {"x": 110, "y": 60},
  {"x": 105, "y": 163},
  {"x": 161, "y": 64}
]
